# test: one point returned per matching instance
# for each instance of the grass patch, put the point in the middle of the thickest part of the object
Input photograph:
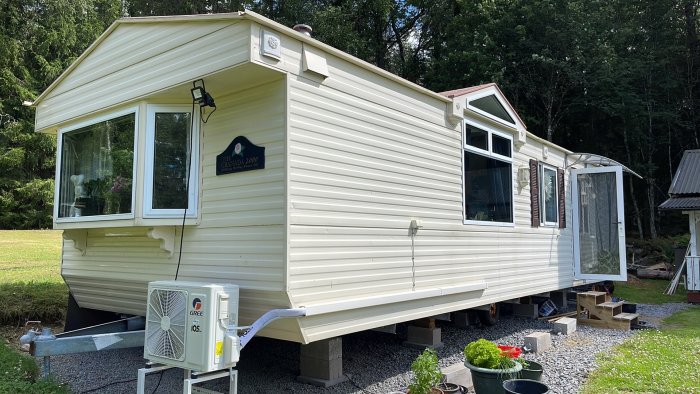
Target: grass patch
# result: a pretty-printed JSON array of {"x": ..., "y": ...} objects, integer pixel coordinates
[
  {"x": 33, "y": 301},
  {"x": 30, "y": 256},
  {"x": 665, "y": 361},
  {"x": 30, "y": 277},
  {"x": 647, "y": 291},
  {"x": 18, "y": 374}
]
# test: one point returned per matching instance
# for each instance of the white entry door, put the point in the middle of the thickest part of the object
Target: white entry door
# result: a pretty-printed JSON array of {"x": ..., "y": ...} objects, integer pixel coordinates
[{"x": 599, "y": 224}]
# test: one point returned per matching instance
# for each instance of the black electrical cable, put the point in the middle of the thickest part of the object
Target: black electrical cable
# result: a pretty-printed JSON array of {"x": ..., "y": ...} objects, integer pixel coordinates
[
  {"x": 208, "y": 116},
  {"x": 349, "y": 377},
  {"x": 160, "y": 378},
  {"x": 187, "y": 189},
  {"x": 107, "y": 385}
]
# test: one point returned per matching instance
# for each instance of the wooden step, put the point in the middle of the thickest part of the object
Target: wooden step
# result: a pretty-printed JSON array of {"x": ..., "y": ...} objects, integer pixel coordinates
[
  {"x": 611, "y": 304},
  {"x": 626, "y": 316},
  {"x": 611, "y": 324},
  {"x": 592, "y": 297},
  {"x": 593, "y": 293}
]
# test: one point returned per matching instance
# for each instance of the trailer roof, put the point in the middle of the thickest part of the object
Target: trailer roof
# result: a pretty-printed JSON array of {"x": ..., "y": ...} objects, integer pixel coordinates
[
  {"x": 685, "y": 187},
  {"x": 240, "y": 15}
]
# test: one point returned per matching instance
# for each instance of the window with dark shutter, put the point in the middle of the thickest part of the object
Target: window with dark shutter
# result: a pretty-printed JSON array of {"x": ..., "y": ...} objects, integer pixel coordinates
[
  {"x": 534, "y": 193},
  {"x": 562, "y": 198}
]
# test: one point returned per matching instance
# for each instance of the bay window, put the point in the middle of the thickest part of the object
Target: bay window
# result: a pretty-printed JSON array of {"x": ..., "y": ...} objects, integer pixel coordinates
[
  {"x": 171, "y": 147},
  {"x": 97, "y": 167},
  {"x": 97, "y": 177}
]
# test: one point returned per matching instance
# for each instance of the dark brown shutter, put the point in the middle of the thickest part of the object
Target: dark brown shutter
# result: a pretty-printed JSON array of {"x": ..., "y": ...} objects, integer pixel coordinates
[
  {"x": 534, "y": 193},
  {"x": 562, "y": 198}
]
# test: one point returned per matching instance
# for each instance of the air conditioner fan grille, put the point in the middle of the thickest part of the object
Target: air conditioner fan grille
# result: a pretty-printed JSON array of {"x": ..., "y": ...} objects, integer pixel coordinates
[{"x": 166, "y": 322}]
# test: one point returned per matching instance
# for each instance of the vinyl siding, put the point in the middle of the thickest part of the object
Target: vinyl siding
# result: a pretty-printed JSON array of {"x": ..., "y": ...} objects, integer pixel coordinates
[
  {"x": 140, "y": 59},
  {"x": 241, "y": 238},
  {"x": 360, "y": 170},
  {"x": 358, "y": 83}
]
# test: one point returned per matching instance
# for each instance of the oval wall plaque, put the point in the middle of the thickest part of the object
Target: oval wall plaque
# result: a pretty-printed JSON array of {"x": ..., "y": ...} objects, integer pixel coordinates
[{"x": 240, "y": 155}]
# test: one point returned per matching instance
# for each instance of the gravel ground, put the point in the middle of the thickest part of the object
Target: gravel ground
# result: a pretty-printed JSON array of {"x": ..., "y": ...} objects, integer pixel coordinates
[{"x": 374, "y": 362}]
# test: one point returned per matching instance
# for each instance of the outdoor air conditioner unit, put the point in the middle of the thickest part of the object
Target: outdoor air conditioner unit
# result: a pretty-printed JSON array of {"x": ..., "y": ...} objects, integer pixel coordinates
[{"x": 187, "y": 325}]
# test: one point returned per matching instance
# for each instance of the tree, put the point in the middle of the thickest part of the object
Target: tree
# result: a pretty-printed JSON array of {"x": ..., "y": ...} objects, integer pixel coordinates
[{"x": 54, "y": 33}]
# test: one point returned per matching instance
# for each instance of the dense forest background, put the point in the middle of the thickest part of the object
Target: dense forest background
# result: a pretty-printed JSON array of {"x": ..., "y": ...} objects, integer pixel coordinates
[{"x": 619, "y": 78}]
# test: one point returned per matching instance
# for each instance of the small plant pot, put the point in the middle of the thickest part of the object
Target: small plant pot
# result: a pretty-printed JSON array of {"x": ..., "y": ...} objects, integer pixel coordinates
[
  {"x": 489, "y": 381},
  {"x": 524, "y": 386},
  {"x": 451, "y": 388},
  {"x": 433, "y": 390},
  {"x": 532, "y": 371}
]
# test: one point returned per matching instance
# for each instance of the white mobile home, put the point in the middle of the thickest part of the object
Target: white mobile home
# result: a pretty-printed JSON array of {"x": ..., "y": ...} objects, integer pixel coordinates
[{"x": 320, "y": 181}]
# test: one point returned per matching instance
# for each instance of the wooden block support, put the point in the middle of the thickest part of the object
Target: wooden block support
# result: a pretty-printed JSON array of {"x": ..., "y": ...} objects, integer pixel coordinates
[
  {"x": 422, "y": 337},
  {"x": 425, "y": 323},
  {"x": 461, "y": 319},
  {"x": 526, "y": 310},
  {"x": 558, "y": 298}
]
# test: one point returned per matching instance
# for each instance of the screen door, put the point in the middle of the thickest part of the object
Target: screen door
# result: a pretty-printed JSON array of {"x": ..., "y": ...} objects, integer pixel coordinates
[{"x": 599, "y": 224}]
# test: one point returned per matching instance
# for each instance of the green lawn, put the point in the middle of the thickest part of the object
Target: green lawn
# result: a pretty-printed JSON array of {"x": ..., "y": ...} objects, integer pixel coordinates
[
  {"x": 30, "y": 256},
  {"x": 648, "y": 291},
  {"x": 32, "y": 288},
  {"x": 18, "y": 375},
  {"x": 660, "y": 362},
  {"x": 30, "y": 263}
]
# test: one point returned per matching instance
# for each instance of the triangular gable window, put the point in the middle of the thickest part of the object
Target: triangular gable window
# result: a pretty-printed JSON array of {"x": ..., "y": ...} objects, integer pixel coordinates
[{"x": 491, "y": 105}]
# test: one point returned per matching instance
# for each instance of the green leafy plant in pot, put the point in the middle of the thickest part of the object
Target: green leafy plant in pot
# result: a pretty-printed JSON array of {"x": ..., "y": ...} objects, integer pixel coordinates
[
  {"x": 426, "y": 374},
  {"x": 489, "y": 366}
]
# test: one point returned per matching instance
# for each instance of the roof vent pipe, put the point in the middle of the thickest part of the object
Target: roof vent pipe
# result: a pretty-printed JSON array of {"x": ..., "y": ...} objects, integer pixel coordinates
[{"x": 303, "y": 29}]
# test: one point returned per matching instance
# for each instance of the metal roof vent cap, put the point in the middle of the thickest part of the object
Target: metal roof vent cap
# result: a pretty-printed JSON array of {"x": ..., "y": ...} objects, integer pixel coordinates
[{"x": 303, "y": 29}]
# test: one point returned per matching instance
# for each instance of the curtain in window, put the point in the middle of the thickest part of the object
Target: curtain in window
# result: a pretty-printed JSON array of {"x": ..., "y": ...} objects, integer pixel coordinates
[{"x": 500, "y": 178}]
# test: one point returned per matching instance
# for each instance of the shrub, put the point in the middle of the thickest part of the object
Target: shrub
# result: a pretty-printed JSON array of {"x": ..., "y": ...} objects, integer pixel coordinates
[{"x": 426, "y": 372}]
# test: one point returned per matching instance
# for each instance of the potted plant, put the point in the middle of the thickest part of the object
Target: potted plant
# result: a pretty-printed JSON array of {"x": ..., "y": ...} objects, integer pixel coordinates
[
  {"x": 426, "y": 374},
  {"x": 531, "y": 370},
  {"x": 489, "y": 366},
  {"x": 451, "y": 388}
]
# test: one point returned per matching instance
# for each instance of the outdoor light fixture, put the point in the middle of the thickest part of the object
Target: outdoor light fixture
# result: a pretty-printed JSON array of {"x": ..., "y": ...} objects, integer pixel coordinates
[
  {"x": 200, "y": 95},
  {"x": 523, "y": 176}
]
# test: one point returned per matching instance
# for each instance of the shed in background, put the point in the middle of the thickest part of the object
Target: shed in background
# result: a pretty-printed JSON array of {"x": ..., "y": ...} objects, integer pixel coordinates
[{"x": 685, "y": 196}]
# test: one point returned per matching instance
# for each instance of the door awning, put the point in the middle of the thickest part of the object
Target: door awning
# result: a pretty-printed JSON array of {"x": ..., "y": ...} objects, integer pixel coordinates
[{"x": 595, "y": 160}]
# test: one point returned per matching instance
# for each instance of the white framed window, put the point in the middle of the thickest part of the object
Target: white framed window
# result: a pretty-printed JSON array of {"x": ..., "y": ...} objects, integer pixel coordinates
[
  {"x": 488, "y": 175},
  {"x": 549, "y": 196},
  {"x": 96, "y": 172},
  {"x": 172, "y": 156}
]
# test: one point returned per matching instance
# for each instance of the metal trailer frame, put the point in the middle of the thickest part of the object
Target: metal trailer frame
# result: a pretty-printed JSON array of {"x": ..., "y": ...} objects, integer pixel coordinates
[{"x": 102, "y": 337}]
